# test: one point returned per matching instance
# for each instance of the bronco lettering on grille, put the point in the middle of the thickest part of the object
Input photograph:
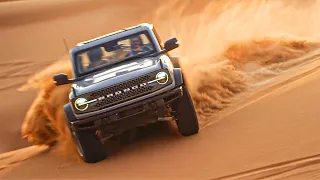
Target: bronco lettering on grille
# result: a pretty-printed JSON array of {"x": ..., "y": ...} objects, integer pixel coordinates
[{"x": 124, "y": 91}]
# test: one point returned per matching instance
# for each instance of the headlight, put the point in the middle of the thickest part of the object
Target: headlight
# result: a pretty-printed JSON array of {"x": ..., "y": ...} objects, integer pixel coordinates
[
  {"x": 162, "y": 77},
  {"x": 82, "y": 104}
]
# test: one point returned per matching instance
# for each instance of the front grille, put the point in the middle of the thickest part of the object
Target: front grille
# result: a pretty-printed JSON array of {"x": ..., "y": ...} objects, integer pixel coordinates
[
  {"x": 108, "y": 96},
  {"x": 119, "y": 87},
  {"x": 116, "y": 99}
]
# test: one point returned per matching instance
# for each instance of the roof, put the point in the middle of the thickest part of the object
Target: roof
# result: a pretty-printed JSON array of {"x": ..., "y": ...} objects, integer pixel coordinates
[{"x": 146, "y": 25}]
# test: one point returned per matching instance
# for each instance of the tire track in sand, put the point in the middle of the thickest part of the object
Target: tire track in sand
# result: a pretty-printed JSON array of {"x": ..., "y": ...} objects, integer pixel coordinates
[
  {"x": 279, "y": 170},
  {"x": 14, "y": 73},
  {"x": 11, "y": 158},
  {"x": 274, "y": 169}
]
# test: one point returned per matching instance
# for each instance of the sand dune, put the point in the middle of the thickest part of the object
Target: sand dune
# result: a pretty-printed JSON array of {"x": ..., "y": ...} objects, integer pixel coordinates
[
  {"x": 239, "y": 59},
  {"x": 252, "y": 141}
]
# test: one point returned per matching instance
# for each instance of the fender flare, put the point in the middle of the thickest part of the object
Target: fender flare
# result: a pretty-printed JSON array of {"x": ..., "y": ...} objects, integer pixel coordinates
[
  {"x": 69, "y": 112},
  {"x": 178, "y": 77}
]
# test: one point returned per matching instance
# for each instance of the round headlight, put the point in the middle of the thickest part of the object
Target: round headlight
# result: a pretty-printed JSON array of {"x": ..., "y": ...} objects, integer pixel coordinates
[
  {"x": 81, "y": 104},
  {"x": 162, "y": 77}
]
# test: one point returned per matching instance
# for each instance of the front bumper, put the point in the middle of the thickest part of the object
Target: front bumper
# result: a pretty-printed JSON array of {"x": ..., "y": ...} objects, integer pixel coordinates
[{"x": 133, "y": 115}]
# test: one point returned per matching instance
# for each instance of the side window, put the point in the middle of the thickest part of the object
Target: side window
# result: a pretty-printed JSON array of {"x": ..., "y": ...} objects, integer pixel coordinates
[{"x": 145, "y": 40}]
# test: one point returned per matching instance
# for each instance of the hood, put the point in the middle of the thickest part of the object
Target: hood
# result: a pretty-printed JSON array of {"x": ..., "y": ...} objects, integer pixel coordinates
[{"x": 115, "y": 74}]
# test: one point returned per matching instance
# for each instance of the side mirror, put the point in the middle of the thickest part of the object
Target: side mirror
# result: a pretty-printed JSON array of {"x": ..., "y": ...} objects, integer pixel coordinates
[
  {"x": 171, "y": 44},
  {"x": 61, "y": 79}
]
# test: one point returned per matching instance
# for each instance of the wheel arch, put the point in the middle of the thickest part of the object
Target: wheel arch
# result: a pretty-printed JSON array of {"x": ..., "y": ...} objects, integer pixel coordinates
[
  {"x": 178, "y": 77},
  {"x": 69, "y": 112}
]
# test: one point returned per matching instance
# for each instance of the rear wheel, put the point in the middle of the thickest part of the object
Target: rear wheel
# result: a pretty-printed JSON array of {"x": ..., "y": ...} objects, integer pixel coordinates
[
  {"x": 187, "y": 118},
  {"x": 89, "y": 146}
]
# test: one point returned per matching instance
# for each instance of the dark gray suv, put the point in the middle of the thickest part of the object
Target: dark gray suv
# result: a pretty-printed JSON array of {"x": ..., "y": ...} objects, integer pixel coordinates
[{"x": 122, "y": 81}]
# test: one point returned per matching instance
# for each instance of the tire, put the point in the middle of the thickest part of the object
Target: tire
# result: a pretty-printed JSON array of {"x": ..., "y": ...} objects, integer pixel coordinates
[
  {"x": 187, "y": 117},
  {"x": 89, "y": 147}
]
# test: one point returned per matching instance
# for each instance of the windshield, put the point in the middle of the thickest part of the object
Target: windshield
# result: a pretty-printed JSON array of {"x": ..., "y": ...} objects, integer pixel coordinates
[{"x": 114, "y": 51}]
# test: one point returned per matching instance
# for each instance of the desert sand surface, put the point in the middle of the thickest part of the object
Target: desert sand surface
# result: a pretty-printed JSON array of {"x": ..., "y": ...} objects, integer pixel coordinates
[
  {"x": 241, "y": 145},
  {"x": 253, "y": 73}
]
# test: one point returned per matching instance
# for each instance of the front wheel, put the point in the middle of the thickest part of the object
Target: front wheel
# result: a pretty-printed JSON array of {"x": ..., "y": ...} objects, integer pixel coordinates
[
  {"x": 187, "y": 117},
  {"x": 89, "y": 147}
]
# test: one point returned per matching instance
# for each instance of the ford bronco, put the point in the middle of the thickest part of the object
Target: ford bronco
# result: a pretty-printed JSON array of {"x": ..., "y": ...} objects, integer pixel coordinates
[{"x": 122, "y": 81}]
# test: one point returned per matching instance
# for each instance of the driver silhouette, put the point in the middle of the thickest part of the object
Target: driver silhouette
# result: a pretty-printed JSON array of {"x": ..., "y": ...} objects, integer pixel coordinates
[{"x": 137, "y": 46}]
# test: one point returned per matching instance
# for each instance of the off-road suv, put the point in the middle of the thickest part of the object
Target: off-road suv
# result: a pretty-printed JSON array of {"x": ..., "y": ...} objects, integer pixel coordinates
[{"x": 122, "y": 81}]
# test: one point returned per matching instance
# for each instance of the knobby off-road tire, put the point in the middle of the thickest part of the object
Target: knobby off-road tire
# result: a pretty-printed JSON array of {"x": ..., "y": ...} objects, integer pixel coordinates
[
  {"x": 187, "y": 118},
  {"x": 90, "y": 148}
]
